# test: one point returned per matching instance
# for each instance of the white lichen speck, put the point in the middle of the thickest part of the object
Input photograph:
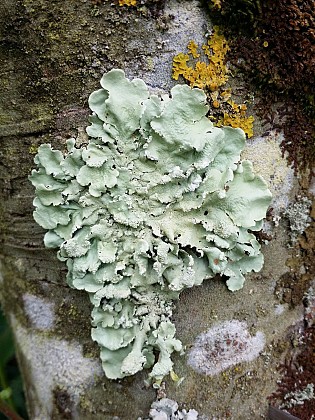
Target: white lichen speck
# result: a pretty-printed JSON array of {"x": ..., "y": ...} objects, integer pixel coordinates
[{"x": 224, "y": 345}]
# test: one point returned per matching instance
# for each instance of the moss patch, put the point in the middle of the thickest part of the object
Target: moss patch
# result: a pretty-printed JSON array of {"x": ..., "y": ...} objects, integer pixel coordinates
[{"x": 273, "y": 44}]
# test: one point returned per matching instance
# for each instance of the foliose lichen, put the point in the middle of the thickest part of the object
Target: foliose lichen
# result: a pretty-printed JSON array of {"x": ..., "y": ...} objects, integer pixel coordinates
[
  {"x": 156, "y": 202},
  {"x": 167, "y": 409},
  {"x": 298, "y": 397}
]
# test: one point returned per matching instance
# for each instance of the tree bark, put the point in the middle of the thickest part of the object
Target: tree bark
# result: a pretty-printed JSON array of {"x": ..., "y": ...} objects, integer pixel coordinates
[{"x": 53, "y": 55}]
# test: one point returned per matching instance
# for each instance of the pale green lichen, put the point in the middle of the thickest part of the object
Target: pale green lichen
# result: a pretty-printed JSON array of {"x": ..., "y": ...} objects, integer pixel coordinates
[
  {"x": 156, "y": 202},
  {"x": 298, "y": 397},
  {"x": 168, "y": 409}
]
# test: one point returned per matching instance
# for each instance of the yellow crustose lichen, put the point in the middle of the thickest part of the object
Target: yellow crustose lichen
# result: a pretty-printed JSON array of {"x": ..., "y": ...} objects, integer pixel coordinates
[
  {"x": 216, "y": 3},
  {"x": 127, "y": 2},
  {"x": 237, "y": 118},
  {"x": 203, "y": 75},
  {"x": 211, "y": 75}
]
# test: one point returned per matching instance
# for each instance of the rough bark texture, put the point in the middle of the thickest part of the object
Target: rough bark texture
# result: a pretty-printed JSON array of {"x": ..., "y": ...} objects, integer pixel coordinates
[{"x": 53, "y": 54}]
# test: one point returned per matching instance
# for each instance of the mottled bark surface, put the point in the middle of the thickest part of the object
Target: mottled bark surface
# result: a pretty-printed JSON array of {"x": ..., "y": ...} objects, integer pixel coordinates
[{"x": 53, "y": 54}]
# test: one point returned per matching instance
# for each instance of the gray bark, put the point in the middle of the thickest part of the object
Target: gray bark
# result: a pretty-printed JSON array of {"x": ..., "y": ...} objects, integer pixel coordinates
[{"x": 53, "y": 54}]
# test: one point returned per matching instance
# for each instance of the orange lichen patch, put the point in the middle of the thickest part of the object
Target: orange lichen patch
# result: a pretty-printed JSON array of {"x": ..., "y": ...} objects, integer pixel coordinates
[
  {"x": 127, "y": 2},
  {"x": 216, "y": 49},
  {"x": 237, "y": 118},
  {"x": 237, "y": 121},
  {"x": 193, "y": 49},
  {"x": 180, "y": 66},
  {"x": 215, "y": 99},
  {"x": 212, "y": 75}
]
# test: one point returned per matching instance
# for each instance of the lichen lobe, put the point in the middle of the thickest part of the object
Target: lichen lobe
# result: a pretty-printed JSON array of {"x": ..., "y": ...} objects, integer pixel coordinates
[{"x": 156, "y": 202}]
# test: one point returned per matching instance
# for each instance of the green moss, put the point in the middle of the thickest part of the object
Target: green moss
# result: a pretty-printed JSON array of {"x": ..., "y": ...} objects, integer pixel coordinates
[{"x": 272, "y": 43}]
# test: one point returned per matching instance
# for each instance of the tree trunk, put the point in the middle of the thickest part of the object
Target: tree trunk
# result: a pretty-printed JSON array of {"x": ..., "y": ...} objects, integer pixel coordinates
[{"x": 53, "y": 55}]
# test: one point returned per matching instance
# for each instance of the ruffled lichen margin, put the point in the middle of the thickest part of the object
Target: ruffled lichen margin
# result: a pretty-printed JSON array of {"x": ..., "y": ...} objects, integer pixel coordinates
[{"x": 156, "y": 202}]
